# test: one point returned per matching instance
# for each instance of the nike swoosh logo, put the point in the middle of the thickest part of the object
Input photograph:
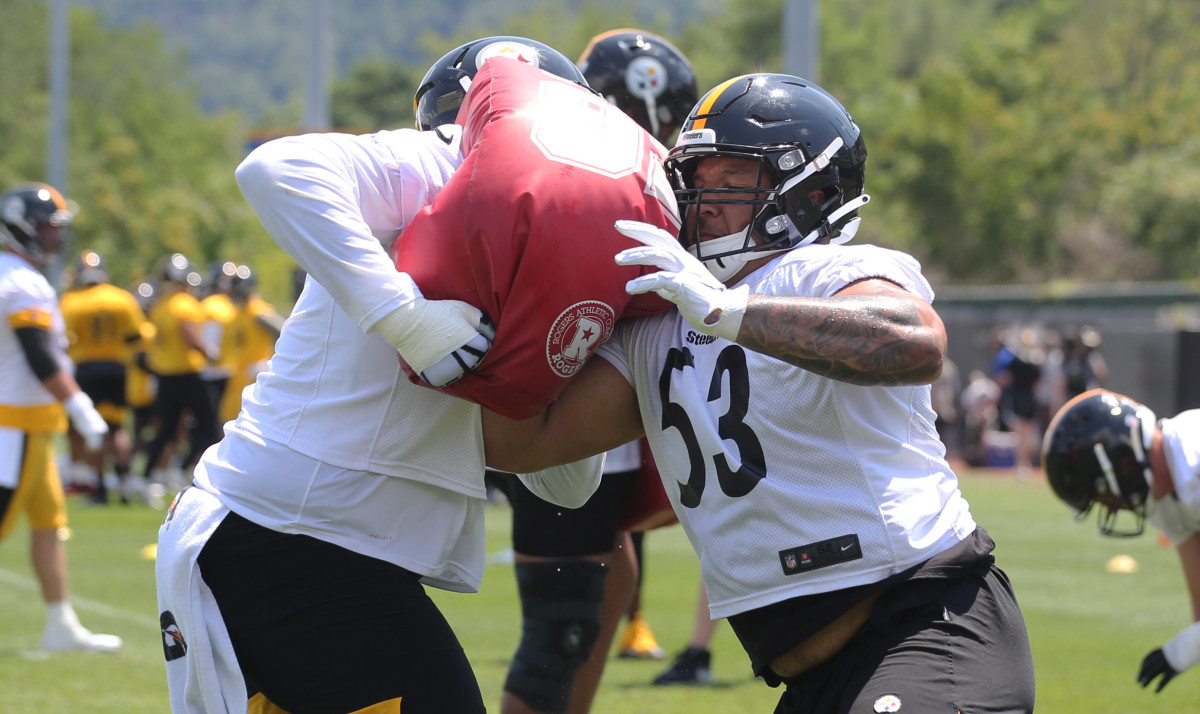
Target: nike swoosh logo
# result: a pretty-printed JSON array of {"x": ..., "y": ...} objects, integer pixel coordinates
[{"x": 847, "y": 547}]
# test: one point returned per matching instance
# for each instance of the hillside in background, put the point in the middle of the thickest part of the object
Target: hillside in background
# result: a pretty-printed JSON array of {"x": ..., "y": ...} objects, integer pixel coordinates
[{"x": 223, "y": 40}]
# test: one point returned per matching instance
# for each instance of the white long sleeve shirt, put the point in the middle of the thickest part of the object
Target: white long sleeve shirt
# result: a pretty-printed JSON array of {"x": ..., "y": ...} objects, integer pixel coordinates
[{"x": 1178, "y": 515}]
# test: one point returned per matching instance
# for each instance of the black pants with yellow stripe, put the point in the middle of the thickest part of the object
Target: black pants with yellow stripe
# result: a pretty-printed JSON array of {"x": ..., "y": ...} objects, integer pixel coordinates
[
  {"x": 179, "y": 393},
  {"x": 319, "y": 629}
]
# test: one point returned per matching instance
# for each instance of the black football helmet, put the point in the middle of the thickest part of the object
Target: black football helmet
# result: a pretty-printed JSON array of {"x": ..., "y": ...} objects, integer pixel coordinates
[
  {"x": 442, "y": 89},
  {"x": 90, "y": 269},
  {"x": 1095, "y": 451},
  {"x": 220, "y": 277},
  {"x": 176, "y": 268},
  {"x": 34, "y": 218},
  {"x": 803, "y": 140},
  {"x": 243, "y": 283},
  {"x": 644, "y": 76},
  {"x": 144, "y": 292}
]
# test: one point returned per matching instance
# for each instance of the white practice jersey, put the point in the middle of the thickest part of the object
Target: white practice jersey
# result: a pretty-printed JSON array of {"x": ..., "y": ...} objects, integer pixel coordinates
[
  {"x": 1178, "y": 516},
  {"x": 624, "y": 458},
  {"x": 26, "y": 298},
  {"x": 334, "y": 430},
  {"x": 786, "y": 482}
]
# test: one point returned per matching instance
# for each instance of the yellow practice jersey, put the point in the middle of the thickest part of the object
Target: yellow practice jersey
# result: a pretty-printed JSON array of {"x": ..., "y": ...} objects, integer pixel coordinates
[
  {"x": 247, "y": 343},
  {"x": 219, "y": 312},
  {"x": 170, "y": 355},
  {"x": 139, "y": 384},
  {"x": 102, "y": 323},
  {"x": 245, "y": 339}
]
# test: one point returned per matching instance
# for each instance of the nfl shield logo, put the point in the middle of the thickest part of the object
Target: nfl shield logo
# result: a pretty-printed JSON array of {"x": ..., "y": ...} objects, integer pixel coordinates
[{"x": 790, "y": 560}]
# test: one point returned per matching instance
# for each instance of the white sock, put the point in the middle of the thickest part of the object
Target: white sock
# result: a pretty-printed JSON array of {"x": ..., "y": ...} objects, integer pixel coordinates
[{"x": 61, "y": 612}]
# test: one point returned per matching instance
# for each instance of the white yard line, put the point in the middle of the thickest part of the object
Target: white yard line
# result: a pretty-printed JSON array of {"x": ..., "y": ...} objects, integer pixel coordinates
[{"x": 82, "y": 603}]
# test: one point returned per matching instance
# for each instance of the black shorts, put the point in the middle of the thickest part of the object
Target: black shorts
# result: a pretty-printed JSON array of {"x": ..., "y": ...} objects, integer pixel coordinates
[
  {"x": 541, "y": 528},
  {"x": 319, "y": 629},
  {"x": 104, "y": 382},
  {"x": 928, "y": 646}
]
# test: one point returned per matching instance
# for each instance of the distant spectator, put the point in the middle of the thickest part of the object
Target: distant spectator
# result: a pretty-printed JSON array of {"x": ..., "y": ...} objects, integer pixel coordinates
[
  {"x": 947, "y": 390},
  {"x": 980, "y": 403},
  {"x": 1083, "y": 365},
  {"x": 1051, "y": 390},
  {"x": 1018, "y": 382}
]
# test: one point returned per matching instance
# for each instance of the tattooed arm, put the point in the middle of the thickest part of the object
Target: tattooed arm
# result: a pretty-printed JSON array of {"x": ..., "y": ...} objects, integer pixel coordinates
[{"x": 872, "y": 332}]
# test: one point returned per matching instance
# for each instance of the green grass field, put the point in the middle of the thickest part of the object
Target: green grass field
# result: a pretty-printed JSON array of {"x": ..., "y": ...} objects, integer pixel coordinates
[{"x": 1089, "y": 628}]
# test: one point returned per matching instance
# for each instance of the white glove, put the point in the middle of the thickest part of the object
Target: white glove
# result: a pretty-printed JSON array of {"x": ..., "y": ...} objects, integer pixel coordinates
[
  {"x": 455, "y": 365},
  {"x": 703, "y": 300},
  {"x": 86, "y": 420},
  {"x": 441, "y": 340}
]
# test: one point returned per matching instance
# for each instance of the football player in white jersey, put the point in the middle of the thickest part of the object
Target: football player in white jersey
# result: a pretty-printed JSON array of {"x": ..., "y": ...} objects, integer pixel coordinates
[
  {"x": 1103, "y": 448},
  {"x": 36, "y": 385},
  {"x": 787, "y": 405},
  {"x": 292, "y": 573}
]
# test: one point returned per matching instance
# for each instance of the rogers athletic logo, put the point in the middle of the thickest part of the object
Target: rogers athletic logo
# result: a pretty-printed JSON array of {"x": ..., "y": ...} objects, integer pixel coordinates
[{"x": 576, "y": 332}]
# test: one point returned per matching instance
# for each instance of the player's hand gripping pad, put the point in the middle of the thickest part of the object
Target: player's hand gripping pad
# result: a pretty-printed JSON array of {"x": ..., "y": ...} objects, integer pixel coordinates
[{"x": 524, "y": 230}]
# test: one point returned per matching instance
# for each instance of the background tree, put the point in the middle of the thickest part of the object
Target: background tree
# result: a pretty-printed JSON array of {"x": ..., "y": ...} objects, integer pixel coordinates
[
  {"x": 151, "y": 173},
  {"x": 1010, "y": 140}
]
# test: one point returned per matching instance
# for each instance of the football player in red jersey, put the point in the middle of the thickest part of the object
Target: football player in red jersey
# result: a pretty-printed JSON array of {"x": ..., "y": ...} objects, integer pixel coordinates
[{"x": 584, "y": 556}]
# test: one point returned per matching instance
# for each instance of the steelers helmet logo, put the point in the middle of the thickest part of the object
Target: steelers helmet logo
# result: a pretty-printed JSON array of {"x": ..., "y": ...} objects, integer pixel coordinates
[
  {"x": 887, "y": 703},
  {"x": 576, "y": 333},
  {"x": 646, "y": 77},
  {"x": 515, "y": 50}
]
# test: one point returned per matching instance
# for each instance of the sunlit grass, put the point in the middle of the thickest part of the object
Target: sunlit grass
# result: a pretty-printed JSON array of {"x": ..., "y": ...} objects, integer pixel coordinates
[{"x": 1089, "y": 627}]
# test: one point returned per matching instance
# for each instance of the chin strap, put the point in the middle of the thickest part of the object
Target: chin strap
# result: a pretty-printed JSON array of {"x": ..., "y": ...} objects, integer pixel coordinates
[
  {"x": 727, "y": 266},
  {"x": 846, "y": 232}
]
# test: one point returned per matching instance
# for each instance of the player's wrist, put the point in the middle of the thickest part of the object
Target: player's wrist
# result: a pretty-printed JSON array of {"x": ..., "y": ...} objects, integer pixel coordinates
[
  {"x": 425, "y": 332},
  {"x": 1183, "y": 650},
  {"x": 725, "y": 320},
  {"x": 78, "y": 404}
]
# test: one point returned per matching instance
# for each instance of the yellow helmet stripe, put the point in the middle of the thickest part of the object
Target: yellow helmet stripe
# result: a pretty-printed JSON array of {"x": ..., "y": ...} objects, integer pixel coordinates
[
  {"x": 56, "y": 196},
  {"x": 710, "y": 99},
  {"x": 587, "y": 51}
]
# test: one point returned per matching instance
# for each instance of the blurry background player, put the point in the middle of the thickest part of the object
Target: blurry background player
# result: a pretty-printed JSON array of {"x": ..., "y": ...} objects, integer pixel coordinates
[
  {"x": 141, "y": 385},
  {"x": 104, "y": 326},
  {"x": 176, "y": 358},
  {"x": 576, "y": 569},
  {"x": 35, "y": 386},
  {"x": 1105, "y": 449},
  {"x": 248, "y": 340},
  {"x": 219, "y": 313}
]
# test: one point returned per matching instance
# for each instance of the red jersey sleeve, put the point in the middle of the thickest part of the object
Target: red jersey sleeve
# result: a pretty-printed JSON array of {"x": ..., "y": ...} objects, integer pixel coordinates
[{"x": 524, "y": 230}]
